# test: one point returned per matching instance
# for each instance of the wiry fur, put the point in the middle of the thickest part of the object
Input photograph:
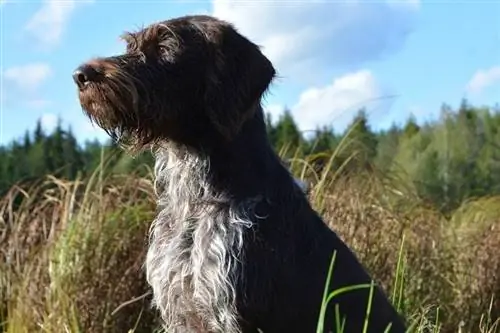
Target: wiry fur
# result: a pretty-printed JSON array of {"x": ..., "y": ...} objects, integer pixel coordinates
[
  {"x": 235, "y": 246},
  {"x": 195, "y": 245}
]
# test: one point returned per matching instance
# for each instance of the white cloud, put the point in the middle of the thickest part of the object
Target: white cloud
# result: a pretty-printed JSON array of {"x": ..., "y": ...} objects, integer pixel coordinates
[
  {"x": 21, "y": 84},
  {"x": 87, "y": 130},
  {"x": 337, "y": 103},
  {"x": 48, "y": 23},
  {"x": 28, "y": 77},
  {"x": 275, "y": 110},
  {"x": 482, "y": 79},
  {"x": 49, "y": 121},
  {"x": 89, "y": 127},
  {"x": 318, "y": 32}
]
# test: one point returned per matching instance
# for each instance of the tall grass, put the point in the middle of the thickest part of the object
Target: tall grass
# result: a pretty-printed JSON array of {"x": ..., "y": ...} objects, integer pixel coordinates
[{"x": 72, "y": 251}]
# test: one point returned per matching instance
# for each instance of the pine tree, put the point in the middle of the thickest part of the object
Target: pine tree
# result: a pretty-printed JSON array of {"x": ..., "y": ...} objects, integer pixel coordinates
[
  {"x": 411, "y": 127},
  {"x": 39, "y": 134},
  {"x": 387, "y": 148},
  {"x": 56, "y": 152},
  {"x": 270, "y": 129},
  {"x": 26, "y": 142},
  {"x": 72, "y": 155},
  {"x": 288, "y": 136},
  {"x": 362, "y": 142},
  {"x": 324, "y": 140}
]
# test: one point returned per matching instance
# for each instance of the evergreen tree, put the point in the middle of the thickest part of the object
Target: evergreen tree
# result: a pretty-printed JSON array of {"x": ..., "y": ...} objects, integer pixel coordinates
[
  {"x": 324, "y": 140},
  {"x": 73, "y": 155},
  {"x": 56, "y": 151},
  {"x": 288, "y": 136},
  {"x": 361, "y": 143},
  {"x": 39, "y": 135},
  {"x": 387, "y": 148},
  {"x": 411, "y": 127},
  {"x": 271, "y": 130},
  {"x": 26, "y": 142}
]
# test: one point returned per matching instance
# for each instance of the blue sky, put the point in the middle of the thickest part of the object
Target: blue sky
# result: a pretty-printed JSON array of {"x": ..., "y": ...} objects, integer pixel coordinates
[{"x": 333, "y": 57}]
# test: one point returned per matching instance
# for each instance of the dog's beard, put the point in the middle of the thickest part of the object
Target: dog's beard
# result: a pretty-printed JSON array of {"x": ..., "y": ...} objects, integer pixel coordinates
[
  {"x": 103, "y": 110},
  {"x": 113, "y": 105}
]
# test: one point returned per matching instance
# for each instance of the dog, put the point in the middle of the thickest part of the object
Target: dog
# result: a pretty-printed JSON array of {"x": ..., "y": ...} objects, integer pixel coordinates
[{"x": 235, "y": 247}]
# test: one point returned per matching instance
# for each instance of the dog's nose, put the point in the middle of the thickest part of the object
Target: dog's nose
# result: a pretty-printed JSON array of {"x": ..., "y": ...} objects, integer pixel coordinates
[{"x": 84, "y": 75}]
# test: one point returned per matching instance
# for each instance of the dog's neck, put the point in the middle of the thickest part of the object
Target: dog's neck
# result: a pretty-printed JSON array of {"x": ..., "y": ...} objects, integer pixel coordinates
[
  {"x": 242, "y": 167},
  {"x": 206, "y": 200}
]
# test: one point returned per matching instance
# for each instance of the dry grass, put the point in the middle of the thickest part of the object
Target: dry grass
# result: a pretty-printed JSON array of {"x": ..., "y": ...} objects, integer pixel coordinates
[{"x": 72, "y": 252}]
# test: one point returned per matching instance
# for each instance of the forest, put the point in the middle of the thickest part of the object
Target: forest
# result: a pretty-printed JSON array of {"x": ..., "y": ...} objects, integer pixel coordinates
[{"x": 447, "y": 161}]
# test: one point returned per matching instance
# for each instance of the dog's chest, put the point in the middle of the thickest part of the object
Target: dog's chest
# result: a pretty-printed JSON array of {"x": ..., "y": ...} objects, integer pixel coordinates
[
  {"x": 192, "y": 264},
  {"x": 196, "y": 240}
]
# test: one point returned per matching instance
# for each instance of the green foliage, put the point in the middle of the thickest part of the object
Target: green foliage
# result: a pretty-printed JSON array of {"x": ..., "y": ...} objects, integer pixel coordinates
[
  {"x": 362, "y": 143},
  {"x": 454, "y": 158},
  {"x": 58, "y": 153},
  {"x": 286, "y": 135}
]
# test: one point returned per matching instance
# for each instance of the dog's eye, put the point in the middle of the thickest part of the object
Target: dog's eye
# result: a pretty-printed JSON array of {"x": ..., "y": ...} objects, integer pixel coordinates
[{"x": 162, "y": 49}]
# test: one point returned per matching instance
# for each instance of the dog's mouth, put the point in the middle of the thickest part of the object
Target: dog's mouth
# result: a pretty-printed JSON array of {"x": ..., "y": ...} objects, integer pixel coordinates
[
  {"x": 107, "y": 92},
  {"x": 122, "y": 102},
  {"x": 105, "y": 104},
  {"x": 97, "y": 105},
  {"x": 113, "y": 103}
]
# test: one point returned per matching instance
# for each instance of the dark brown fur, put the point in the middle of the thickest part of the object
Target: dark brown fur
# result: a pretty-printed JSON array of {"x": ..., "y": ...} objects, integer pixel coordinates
[
  {"x": 131, "y": 99},
  {"x": 196, "y": 82}
]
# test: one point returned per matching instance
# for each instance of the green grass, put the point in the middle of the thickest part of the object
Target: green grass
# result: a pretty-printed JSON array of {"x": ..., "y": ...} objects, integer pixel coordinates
[{"x": 328, "y": 297}]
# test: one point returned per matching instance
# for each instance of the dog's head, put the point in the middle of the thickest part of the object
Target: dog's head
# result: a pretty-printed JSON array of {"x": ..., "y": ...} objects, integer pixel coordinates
[{"x": 180, "y": 79}]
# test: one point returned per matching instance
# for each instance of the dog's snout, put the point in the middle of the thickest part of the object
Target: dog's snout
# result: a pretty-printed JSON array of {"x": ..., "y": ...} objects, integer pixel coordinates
[{"x": 84, "y": 75}]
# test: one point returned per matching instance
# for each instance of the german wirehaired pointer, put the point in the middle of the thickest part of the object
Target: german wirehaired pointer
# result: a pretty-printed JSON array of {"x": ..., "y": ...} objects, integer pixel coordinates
[{"x": 235, "y": 246}]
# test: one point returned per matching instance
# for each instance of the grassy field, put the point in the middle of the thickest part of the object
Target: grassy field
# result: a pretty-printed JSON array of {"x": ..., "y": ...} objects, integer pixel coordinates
[{"x": 72, "y": 252}]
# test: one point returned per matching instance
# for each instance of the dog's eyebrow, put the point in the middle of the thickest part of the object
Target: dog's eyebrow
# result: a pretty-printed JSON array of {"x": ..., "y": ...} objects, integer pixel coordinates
[
  {"x": 170, "y": 30},
  {"x": 199, "y": 29},
  {"x": 130, "y": 39},
  {"x": 126, "y": 35}
]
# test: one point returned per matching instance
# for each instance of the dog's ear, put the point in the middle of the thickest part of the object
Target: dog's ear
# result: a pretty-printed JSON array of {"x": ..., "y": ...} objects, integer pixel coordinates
[{"x": 236, "y": 82}]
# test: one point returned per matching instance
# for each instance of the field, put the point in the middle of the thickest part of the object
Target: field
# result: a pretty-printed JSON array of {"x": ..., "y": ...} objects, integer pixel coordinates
[{"x": 72, "y": 251}]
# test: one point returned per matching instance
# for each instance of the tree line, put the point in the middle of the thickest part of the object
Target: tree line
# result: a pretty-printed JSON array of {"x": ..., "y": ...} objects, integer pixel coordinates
[{"x": 448, "y": 160}]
